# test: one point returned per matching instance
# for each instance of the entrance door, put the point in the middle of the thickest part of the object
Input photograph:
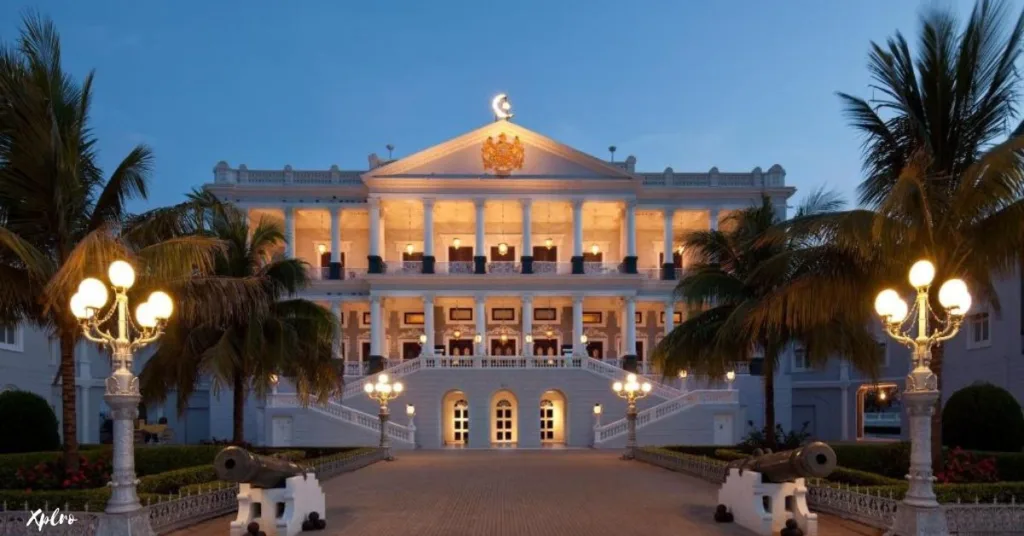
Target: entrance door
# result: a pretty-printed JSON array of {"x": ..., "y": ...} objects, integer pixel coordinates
[
  {"x": 364, "y": 352},
  {"x": 460, "y": 347},
  {"x": 509, "y": 256},
  {"x": 503, "y": 422},
  {"x": 410, "y": 350},
  {"x": 595, "y": 349},
  {"x": 499, "y": 348},
  {"x": 460, "y": 422},
  {"x": 547, "y": 421},
  {"x": 460, "y": 254},
  {"x": 723, "y": 430},
  {"x": 548, "y": 347},
  {"x": 639, "y": 350}
]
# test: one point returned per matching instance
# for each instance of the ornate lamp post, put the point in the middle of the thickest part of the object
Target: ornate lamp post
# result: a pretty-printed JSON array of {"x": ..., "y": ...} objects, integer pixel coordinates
[
  {"x": 383, "y": 392},
  {"x": 116, "y": 329},
  {"x": 920, "y": 513},
  {"x": 631, "y": 391}
]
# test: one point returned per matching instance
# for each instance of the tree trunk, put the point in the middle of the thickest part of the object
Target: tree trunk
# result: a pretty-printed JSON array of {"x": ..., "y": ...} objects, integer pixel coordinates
[
  {"x": 238, "y": 411},
  {"x": 69, "y": 401},
  {"x": 938, "y": 464},
  {"x": 769, "y": 399}
]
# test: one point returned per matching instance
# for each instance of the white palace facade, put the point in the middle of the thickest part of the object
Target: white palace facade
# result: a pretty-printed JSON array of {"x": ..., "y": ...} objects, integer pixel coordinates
[{"x": 507, "y": 280}]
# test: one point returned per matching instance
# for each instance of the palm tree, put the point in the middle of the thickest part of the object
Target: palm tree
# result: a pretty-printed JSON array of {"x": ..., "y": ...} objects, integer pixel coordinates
[
  {"x": 276, "y": 334},
  {"x": 61, "y": 219},
  {"x": 944, "y": 173},
  {"x": 748, "y": 293}
]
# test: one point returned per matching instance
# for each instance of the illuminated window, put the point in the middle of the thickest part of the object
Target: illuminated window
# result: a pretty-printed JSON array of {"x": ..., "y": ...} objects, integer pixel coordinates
[
  {"x": 503, "y": 422},
  {"x": 979, "y": 333},
  {"x": 10, "y": 337},
  {"x": 547, "y": 420}
]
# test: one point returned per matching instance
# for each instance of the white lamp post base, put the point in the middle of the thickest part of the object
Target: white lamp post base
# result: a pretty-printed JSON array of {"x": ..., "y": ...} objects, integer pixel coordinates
[{"x": 131, "y": 524}]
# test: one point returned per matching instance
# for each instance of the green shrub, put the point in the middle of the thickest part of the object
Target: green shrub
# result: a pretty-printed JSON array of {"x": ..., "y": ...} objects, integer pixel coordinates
[
  {"x": 171, "y": 481},
  {"x": 890, "y": 460},
  {"x": 696, "y": 451},
  {"x": 983, "y": 417},
  {"x": 29, "y": 423},
  {"x": 154, "y": 459},
  {"x": 78, "y": 500}
]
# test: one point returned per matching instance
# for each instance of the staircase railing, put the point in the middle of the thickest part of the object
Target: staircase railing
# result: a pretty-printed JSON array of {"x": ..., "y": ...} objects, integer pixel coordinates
[
  {"x": 361, "y": 419},
  {"x": 612, "y": 372},
  {"x": 400, "y": 370},
  {"x": 664, "y": 410}
]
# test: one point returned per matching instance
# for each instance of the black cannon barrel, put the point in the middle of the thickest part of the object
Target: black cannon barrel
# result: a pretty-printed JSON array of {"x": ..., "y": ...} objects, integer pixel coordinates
[
  {"x": 235, "y": 464},
  {"x": 814, "y": 460}
]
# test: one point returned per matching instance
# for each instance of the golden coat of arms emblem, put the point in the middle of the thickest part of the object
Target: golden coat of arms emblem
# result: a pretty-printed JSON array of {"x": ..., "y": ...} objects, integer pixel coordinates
[{"x": 503, "y": 156}]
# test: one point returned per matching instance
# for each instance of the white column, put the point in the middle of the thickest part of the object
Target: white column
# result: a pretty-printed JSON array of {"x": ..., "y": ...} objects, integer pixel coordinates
[
  {"x": 670, "y": 313},
  {"x": 577, "y": 228},
  {"x": 86, "y": 414},
  {"x": 527, "y": 205},
  {"x": 480, "y": 316},
  {"x": 384, "y": 321},
  {"x": 713, "y": 217},
  {"x": 479, "y": 251},
  {"x": 428, "y": 324},
  {"x": 577, "y": 325},
  {"x": 668, "y": 236},
  {"x": 428, "y": 227},
  {"x": 630, "y": 326},
  {"x": 374, "y": 227},
  {"x": 336, "y": 311},
  {"x": 527, "y": 323},
  {"x": 375, "y": 325},
  {"x": 631, "y": 228},
  {"x": 336, "y": 235},
  {"x": 289, "y": 232}
]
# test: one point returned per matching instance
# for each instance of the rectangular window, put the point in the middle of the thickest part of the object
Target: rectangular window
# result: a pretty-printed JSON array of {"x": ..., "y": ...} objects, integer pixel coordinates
[
  {"x": 593, "y": 317},
  {"x": 460, "y": 314},
  {"x": 979, "y": 331},
  {"x": 413, "y": 319},
  {"x": 800, "y": 361},
  {"x": 677, "y": 318},
  {"x": 503, "y": 314},
  {"x": 10, "y": 337},
  {"x": 639, "y": 318},
  {"x": 545, "y": 314},
  {"x": 365, "y": 319}
]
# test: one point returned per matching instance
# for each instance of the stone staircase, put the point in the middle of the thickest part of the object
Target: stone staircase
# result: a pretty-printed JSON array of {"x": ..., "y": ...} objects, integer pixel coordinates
[
  {"x": 334, "y": 410},
  {"x": 685, "y": 401}
]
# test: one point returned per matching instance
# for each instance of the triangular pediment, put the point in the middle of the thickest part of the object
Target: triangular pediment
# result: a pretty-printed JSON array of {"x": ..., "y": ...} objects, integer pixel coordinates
[{"x": 462, "y": 157}]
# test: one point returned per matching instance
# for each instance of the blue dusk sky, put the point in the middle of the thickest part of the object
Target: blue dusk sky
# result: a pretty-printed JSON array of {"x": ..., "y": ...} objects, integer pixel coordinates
[{"x": 688, "y": 84}]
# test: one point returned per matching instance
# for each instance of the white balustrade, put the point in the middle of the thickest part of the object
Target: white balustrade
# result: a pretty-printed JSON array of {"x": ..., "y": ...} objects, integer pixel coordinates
[
  {"x": 503, "y": 267},
  {"x": 665, "y": 409},
  {"x": 454, "y": 268}
]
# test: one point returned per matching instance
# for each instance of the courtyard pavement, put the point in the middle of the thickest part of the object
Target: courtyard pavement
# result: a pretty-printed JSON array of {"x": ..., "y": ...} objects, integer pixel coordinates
[{"x": 520, "y": 493}]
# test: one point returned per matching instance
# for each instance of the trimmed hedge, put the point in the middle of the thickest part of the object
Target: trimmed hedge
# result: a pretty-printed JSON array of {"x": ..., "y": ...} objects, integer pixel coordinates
[
  {"x": 154, "y": 459},
  {"x": 33, "y": 418},
  {"x": 77, "y": 500},
  {"x": 844, "y": 475},
  {"x": 172, "y": 481},
  {"x": 1001, "y": 429}
]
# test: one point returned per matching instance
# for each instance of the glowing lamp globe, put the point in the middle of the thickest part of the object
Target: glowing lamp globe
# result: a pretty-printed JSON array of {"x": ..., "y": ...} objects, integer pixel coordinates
[
  {"x": 79, "y": 309},
  {"x": 954, "y": 297},
  {"x": 273, "y": 379},
  {"x": 457, "y": 334},
  {"x": 617, "y": 387},
  {"x": 423, "y": 339},
  {"x": 502, "y": 248},
  {"x": 683, "y": 374},
  {"x": 899, "y": 312},
  {"x": 631, "y": 378},
  {"x": 549, "y": 333},
  {"x": 597, "y": 409},
  {"x": 680, "y": 249},
  {"x": 409, "y": 249},
  {"x": 383, "y": 378},
  {"x": 731, "y": 375},
  {"x": 477, "y": 338},
  {"x": 885, "y": 301},
  {"x": 922, "y": 273},
  {"x": 529, "y": 339},
  {"x": 583, "y": 339},
  {"x": 121, "y": 274},
  {"x": 645, "y": 387},
  {"x": 399, "y": 387},
  {"x": 595, "y": 249},
  {"x": 456, "y": 243},
  {"x": 549, "y": 243},
  {"x": 368, "y": 387},
  {"x": 93, "y": 292},
  {"x": 504, "y": 337},
  {"x": 384, "y": 388},
  {"x": 321, "y": 248},
  {"x": 161, "y": 304},
  {"x": 144, "y": 315},
  {"x": 410, "y": 410}
]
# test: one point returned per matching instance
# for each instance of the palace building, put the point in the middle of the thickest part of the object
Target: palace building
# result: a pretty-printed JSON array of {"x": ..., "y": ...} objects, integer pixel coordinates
[{"x": 507, "y": 279}]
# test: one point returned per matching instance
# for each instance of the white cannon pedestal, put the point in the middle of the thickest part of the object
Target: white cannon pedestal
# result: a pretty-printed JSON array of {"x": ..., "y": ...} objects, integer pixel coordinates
[
  {"x": 279, "y": 511},
  {"x": 761, "y": 507}
]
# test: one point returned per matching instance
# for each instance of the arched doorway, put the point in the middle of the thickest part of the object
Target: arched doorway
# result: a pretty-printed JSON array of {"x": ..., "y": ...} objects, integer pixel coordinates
[
  {"x": 504, "y": 415},
  {"x": 552, "y": 418},
  {"x": 455, "y": 419}
]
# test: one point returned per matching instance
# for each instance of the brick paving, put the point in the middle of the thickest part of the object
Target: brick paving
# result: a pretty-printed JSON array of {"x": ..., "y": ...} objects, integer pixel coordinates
[{"x": 520, "y": 493}]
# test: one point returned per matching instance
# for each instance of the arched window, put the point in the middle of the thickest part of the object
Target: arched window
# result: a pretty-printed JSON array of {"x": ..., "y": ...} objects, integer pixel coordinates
[
  {"x": 503, "y": 422},
  {"x": 460, "y": 421},
  {"x": 547, "y": 420}
]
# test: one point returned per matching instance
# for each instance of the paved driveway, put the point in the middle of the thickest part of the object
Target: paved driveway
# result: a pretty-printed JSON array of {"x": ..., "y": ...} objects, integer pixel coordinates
[{"x": 517, "y": 493}]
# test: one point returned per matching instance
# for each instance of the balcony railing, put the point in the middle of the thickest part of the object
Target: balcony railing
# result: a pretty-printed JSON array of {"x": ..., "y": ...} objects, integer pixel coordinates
[
  {"x": 403, "y": 267},
  {"x": 501, "y": 362},
  {"x": 504, "y": 267},
  {"x": 545, "y": 267},
  {"x": 454, "y": 268},
  {"x": 602, "y": 268},
  {"x": 317, "y": 273}
]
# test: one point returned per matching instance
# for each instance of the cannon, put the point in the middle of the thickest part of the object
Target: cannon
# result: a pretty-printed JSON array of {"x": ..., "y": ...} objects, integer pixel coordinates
[
  {"x": 757, "y": 489},
  {"x": 235, "y": 464},
  {"x": 278, "y": 496},
  {"x": 816, "y": 460}
]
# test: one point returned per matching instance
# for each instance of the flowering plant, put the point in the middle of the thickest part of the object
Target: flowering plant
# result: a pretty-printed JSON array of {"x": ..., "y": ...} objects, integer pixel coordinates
[
  {"x": 52, "y": 476},
  {"x": 962, "y": 467}
]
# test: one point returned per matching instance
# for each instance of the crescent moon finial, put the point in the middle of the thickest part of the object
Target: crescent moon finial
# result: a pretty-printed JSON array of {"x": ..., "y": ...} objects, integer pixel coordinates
[{"x": 501, "y": 107}]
